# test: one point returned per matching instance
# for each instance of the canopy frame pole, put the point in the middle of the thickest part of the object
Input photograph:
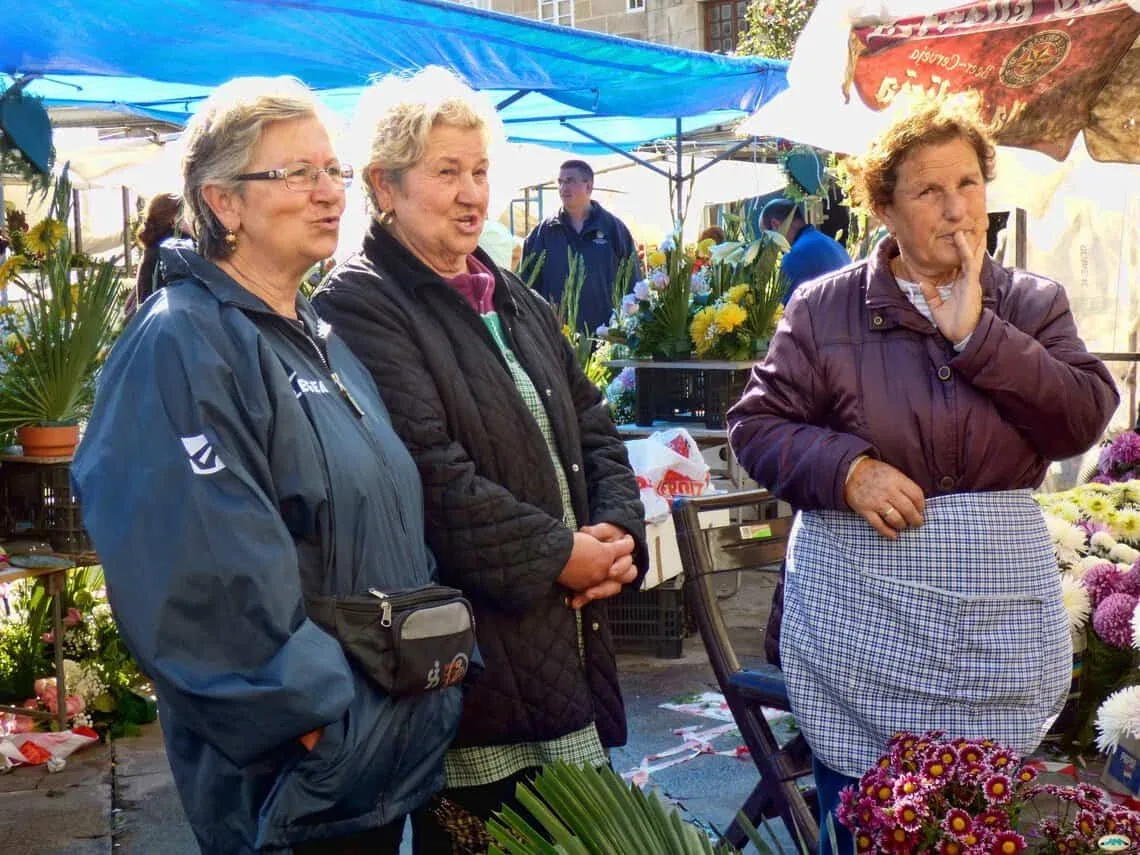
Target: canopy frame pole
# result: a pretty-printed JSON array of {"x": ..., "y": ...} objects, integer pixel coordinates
[
  {"x": 506, "y": 102},
  {"x": 640, "y": 161},
  {"x": 679, "y": 179}
]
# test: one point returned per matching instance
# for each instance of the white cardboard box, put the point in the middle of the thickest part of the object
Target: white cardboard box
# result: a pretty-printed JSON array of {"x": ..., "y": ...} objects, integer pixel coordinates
[{"x": 664, "y": 554}]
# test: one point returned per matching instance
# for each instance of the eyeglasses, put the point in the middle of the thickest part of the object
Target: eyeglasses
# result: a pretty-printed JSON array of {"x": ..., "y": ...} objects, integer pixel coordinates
[{"x": 303, "y": 177}]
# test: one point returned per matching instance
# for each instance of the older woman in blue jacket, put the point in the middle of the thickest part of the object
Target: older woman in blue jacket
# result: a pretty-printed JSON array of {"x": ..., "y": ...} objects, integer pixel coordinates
[{"x": 239, "y": 461}]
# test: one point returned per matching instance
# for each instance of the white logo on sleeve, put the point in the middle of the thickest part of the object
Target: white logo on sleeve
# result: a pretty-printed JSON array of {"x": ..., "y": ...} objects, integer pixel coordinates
[{"x": 203, "y": 459}]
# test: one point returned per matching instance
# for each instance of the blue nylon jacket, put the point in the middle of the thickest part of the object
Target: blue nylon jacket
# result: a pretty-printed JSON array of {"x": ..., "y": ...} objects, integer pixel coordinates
[
  {"x": 224, "y": 472},
  {"x": 603, "y": 243}
]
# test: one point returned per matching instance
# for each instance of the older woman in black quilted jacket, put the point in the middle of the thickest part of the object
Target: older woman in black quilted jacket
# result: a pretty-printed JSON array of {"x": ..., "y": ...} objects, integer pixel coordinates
[{"x": 532, "y": 509}]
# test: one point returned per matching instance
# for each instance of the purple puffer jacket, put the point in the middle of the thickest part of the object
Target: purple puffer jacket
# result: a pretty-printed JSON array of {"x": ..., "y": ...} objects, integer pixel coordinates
[{"x": 855, "y": 369}]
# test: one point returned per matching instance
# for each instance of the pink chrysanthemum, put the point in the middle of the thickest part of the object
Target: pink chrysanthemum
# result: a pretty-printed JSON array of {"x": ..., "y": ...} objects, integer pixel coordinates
[
  {"x": 1007, "y": 843},
  {"x": 951, "y": 847},
  {"x": 1112, "y": 619},
  {"x": 910, "y": 812},
  {"x": 1130, "y": 582},
  {"x": 1101, "y": 580},
  {"x": 957, "y": 822},
  {"x": 971, "y": 754},
  {"x": 909, "y": 785},
  {"x": 993, "y": 819},
  {"x": 898, "y": 840},
  {"x": 1026, "y": 775},
  {"x": 998, "y": 789},
  {"x": 936, "y": 771}
]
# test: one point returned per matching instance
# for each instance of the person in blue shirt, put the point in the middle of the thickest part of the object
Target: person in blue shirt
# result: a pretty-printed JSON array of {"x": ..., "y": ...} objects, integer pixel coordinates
[
  {"x": 584, "y": 227},
  {"x": 812, "y": 254}
]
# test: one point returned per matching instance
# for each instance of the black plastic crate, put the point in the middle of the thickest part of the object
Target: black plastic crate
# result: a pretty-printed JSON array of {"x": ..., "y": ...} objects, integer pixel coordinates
[
  {"x": 36, "y": 502},
  {"x": 652, "y": 621},
  {"x": 687, "y": 395}
]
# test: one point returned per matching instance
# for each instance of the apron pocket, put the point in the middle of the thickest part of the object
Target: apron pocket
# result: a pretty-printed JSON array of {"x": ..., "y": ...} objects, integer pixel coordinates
[
  {"x": 909, "y": 643},
  {"x": 1001, "y": 651}
]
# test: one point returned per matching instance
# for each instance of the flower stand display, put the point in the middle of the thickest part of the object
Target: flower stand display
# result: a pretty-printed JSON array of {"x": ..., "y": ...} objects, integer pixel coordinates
[{"x": 696, "y": 393}]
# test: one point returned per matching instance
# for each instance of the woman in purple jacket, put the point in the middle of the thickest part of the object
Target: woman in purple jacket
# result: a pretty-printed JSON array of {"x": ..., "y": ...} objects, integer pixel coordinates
[{"x": 908, "y": 406}]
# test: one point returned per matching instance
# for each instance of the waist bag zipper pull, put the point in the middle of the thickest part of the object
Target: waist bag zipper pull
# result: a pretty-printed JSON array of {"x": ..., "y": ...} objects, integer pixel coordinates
[{"x": 385, "y": 607}]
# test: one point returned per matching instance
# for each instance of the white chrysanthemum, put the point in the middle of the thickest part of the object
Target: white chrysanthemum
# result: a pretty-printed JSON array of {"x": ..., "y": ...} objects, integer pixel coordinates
[
  {"x": 1136, "y": 628},
  {"x": 1124, "y": 568},
  {"x": 1118, "y": 718},
  {"x": 1068, "y": 511},
  {"x": 1065, "y": 535},
  {"x": 1076, "y": 599},
  {"x": 1102, "y": 540},
  {"x": 1088, "y": 562},
  {"x": 1124, "y": 554}
]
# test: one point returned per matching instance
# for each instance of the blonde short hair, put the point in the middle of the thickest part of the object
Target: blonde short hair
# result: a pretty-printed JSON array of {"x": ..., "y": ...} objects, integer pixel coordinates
[
  {"x": 397, "y": 113},
  {"x": 220, "y": 139},
  {"x": 920, "y": 121}
]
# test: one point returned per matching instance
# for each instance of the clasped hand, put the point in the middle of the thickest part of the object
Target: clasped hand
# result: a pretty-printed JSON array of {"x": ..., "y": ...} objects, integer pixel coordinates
[
  {"x": 600, "y": 563},
  {"x": 884, "y": 497}
]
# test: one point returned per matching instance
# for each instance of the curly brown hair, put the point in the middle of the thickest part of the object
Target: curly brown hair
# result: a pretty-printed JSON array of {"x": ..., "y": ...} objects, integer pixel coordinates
[
  {"x": 924, "y": 121},
  {"x": 161, "y": 215}
]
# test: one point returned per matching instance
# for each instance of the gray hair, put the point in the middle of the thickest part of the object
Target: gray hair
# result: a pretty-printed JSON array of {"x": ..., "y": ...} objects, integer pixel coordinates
[
  {"x": 220, "y": 139},
  {"x": 397, "y": 113}
]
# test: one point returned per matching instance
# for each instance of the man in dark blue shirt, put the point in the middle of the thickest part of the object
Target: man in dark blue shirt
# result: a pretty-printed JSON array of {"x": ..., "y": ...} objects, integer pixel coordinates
[
  {"x": 812, "y": 254},
  {"x": 584, "y": 227}
]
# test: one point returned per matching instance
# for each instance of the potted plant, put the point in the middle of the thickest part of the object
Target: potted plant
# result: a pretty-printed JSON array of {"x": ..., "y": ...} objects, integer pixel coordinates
[{"x": 59, "y": 330}]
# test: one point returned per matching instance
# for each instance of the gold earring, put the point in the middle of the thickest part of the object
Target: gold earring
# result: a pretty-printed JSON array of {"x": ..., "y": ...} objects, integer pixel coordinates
[{"x": 231, "y": 239}]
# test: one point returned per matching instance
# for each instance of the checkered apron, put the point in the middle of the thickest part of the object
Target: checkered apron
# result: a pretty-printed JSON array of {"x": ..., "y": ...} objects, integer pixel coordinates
[{"x": 958, "y": 625}]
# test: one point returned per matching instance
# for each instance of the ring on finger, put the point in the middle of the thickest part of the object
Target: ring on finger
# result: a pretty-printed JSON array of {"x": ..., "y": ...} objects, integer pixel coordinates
[{"x": 890, "y": 510}]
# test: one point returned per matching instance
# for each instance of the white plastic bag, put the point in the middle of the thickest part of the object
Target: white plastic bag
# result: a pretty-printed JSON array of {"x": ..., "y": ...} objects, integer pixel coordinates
[{"x": 667, "y": 464}]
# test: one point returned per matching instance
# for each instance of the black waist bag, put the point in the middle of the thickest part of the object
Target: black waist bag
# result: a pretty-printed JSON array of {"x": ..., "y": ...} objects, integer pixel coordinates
[{"x": 408, "y": 642}]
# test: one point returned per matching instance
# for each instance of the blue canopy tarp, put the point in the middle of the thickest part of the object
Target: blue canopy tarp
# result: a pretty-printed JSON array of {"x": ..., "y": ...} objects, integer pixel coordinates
[{"x": 159, "y": 60}]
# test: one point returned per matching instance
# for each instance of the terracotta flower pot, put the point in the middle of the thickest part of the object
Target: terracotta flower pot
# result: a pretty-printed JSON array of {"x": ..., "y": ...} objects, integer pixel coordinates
[{"x": 48, "y": 440}]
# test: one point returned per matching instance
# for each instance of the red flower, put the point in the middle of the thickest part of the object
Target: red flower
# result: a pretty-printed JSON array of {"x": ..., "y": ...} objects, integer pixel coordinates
[
  {"x": 957, "y": 822},
  {"x": 1007, "y": 843},
  {"x": 998, "y": 789}
]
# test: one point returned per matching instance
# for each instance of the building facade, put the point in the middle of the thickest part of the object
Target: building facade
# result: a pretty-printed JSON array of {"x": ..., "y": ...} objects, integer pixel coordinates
[{"x": 710, "y": 25}]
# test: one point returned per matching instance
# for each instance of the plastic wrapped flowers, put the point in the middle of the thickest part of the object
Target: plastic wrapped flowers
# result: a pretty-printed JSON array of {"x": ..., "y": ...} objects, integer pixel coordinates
[{"x": 949, "y": 796}]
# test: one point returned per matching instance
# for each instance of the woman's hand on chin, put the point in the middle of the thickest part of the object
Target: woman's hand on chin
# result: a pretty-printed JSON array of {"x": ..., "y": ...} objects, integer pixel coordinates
[
  {"x": 884, "y": 497},
  {"x": 957, "y": 316}
]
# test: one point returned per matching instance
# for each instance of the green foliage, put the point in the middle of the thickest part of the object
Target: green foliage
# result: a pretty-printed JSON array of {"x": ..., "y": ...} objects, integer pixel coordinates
[
  {"x": 22, "y": 651},
  {"x": 530, "y": 267},
  {"x": 664, "y": 329},
  {"x": 591, "y": 811},
  {"x": 773, "y": 27},
  {"x": 623, "y": 282},
  {"x": 60, "y": 332}
]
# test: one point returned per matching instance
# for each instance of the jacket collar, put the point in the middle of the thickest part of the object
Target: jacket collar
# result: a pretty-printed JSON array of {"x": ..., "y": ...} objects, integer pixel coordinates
[
  {"x": 182, "y": 261},
  {"x": 887, "y": 305},
  {"x": 389, "y": 255}
]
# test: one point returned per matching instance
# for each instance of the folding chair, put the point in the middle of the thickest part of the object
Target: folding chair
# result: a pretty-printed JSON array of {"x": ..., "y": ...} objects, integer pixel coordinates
[{"x": 739, "y": 547}]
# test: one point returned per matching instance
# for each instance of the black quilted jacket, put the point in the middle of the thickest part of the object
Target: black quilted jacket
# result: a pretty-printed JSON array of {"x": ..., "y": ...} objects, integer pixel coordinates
[{"x": 494, "y": 514}]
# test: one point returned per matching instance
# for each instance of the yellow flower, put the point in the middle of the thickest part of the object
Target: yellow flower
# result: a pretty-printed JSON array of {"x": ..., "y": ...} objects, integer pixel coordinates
[
  {"x": 10, "y": 268},
  {"x": 44, "y": 235},
  {"x": 1126, "y": 525},
  {"x": 736, "y": 293},
  {"x": 1095, "y": 506},
  {"x": 703, "y": 330},
  {"x": 655, "y": 258},
  {"x": 704, "y": 248},
  {"x": 730, "y": 316}
]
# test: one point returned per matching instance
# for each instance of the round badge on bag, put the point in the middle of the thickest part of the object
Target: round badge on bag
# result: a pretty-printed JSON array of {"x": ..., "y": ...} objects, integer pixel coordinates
[{"x": 1114, "y": 843}]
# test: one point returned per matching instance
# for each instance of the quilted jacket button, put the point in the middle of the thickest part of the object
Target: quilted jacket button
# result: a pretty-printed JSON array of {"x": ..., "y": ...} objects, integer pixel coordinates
[
  {"x": 946, "y": 482},
  {"x": 550, "y": 393},
  {"x": 944, "y": 372},
  {"x": 877, "y": 320},
  {"x": 574, "y": 467},
  {"x": 595, "y": 626}
]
